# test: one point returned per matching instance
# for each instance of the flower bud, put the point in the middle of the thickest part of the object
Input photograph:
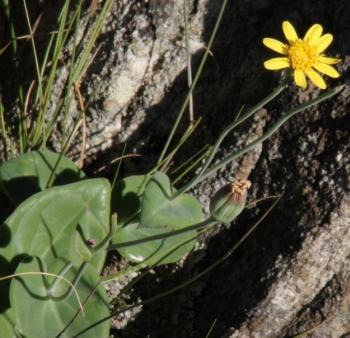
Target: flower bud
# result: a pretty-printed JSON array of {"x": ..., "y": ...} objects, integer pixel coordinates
[{"x": 229, "y": 201}]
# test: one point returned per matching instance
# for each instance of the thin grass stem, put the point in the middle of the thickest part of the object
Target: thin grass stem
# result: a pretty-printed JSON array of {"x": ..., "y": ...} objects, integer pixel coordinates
[
  {"x": 194, "y": 161},
  {"x": 195, "y": 80},
  {"x": 63, "y": 151},
  {"x": 35, "y": 53},
  {"x": 182, "y": 140},
  {"x": 189, "y": 62},
  {"x": 118, "y": 168}
]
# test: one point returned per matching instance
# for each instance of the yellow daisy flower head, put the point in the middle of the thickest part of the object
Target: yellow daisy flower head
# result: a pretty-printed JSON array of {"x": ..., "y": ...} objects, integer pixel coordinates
[{"x": 304, "y": 56}]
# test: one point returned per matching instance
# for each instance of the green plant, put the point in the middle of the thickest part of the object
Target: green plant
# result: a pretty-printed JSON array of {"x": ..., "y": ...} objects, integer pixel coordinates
[{"x": 61, "y": 224}]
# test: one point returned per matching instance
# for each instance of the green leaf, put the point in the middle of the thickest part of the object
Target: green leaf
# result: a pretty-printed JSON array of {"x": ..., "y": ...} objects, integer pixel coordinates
[
  {"x": 44, "y": 312},
  {"x": 29, "y": 173},
  {"x": 126, "y": 198},
  {"x": 45, "y": 217},
  {"x": 56, "y": 223},
  {"x": 159, "y": 215},
  {"x": 160, "y": 251},
  {"x": 7, "y": 325},
  {"x": 159, "y": 210}
]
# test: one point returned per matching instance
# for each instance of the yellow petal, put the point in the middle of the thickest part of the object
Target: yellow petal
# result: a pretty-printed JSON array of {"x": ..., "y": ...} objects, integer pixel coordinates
[
  {"x": 323, "y": 42},
  {"x": 326, "y": 69},
  {"x": 289, "y": 31},
  {"x": 277, "y": 63},
  {"x": 313, "y": 34},
  {"x": 327, "y": 60},
  {"x": 299, "y": 78},
  {"x": 316, "y": 78},
  {"x": 275, "y": 45}
]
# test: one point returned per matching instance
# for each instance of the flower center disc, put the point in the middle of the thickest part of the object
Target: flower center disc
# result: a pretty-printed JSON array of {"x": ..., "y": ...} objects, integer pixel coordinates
[{"x": 301, "y": 55}]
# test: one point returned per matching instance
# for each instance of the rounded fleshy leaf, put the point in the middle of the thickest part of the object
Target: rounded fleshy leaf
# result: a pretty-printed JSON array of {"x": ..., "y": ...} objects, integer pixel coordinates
[
  {"x": 44, "y": 218},
  {"x": 29, "y": 173},
  {"x": 160, "y": 251},
  {"x": 159, "y": 209},
  {"x": 160, "y": 214},
  {"x": 48, "y": 224},
  {"x": 43, "y": 307},
  {"x": 7, "y": 324},
  {"x": 126, "y": 198}
]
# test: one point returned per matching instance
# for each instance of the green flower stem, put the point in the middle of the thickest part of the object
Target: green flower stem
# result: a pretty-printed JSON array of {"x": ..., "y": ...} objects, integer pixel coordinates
[
  {"x": 208, "y": 222},
  {"x": 186, "y": 283},
  {"x": 326, "y": 95},
  {"x": 195, "y": 80},
  {"x": 235, "y": 123}
]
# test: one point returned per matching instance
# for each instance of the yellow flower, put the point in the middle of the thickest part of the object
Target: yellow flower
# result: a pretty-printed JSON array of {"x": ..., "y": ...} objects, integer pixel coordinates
[{"x": 303, "y": 56}]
